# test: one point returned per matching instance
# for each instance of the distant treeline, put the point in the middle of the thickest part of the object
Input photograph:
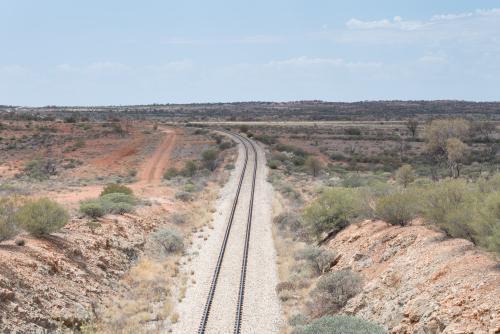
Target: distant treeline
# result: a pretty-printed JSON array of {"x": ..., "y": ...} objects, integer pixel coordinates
[{"x": 269, "y": 111}]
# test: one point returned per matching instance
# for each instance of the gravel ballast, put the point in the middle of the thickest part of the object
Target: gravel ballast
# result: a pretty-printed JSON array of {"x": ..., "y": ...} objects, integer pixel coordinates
[{"x": 261, "y": 309}]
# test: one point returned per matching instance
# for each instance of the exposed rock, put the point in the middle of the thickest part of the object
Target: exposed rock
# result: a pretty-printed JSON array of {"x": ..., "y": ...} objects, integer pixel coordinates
[{"x": 416, "y": 281}]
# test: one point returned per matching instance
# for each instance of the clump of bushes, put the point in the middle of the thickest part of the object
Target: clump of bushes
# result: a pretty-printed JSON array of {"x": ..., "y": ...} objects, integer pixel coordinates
[
  {"x": 318, "y": 259},
  {"x": 117, "y": 199},
  {"x": 339, "y": 324},
  {"x": 42, "y": 216},
  {"x": 332, "y": 211},
  {"x": 398, "y": 208},
  {"x": 40, "y": 169},
  {"x": 164, "y": 242},
  {"x": 113, "y": 188},
  {"x": 333, "y": 290}
]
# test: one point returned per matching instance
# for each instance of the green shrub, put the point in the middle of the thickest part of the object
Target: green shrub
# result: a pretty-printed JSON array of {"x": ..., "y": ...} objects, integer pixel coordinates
[
  {"x": 273, "y": 164},
  {"x": 318, "y": 259},
  {"x": 450, "y": 205},
  {"x": 190, "y": 168},
  {"x": 171, "y": 173},
  {"x": 333, "y": 290},
  {"x": 42, "y": 216},
  {"x": 8, "y": 228},
  {"x": 92, "y": 208},
  {"x": 117, "y": 203},
  {"x": 165, "y": 242},
  {"x": 116, "y": 188},
  {"x": 225, "y": 145},
  {"x": 118, "y": 208},
  {"x": 229, "y": 167},
  {"x": 40, "y": 169},
  {"x": 119, "y": 198},
  {"x": 405, "y": 175},
  {"x": 487, "y": 223},
  {"x": 340, "y": 324},
  {"x": 209, "y": 158},
  {"x": 398, "y": 208},
  {"x": 332, "y": 211}
]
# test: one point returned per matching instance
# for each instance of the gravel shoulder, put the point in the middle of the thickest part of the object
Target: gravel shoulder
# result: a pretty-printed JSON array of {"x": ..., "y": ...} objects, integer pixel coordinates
[{"x": 261, "y": 313}]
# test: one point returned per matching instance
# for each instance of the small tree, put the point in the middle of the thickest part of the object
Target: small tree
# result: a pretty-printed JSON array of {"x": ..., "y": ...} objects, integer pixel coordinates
[
  {"x": 456, "y": 153},
  {"x": 405, "y": 175},
  {"x": 412, "y": 126},
  {"x": 210, "y": 159},
  {"x": 313, "y": 166},
  {"x": 439, "y": 131},
  {"x": 42, "y": 216}
]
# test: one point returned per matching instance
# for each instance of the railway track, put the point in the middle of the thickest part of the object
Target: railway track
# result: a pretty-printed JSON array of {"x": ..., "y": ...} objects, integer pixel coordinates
[{"x": 215, "y": 277}]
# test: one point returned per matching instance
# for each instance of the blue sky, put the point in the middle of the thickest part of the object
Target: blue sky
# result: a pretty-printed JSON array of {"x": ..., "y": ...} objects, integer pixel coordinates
[{"x": 137, "y": 52}]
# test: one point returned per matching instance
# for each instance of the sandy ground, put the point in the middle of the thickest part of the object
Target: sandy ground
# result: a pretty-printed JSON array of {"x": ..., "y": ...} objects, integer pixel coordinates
[
  {"x": 149, "y": 175},
  {"x": 261, "y": 312}
]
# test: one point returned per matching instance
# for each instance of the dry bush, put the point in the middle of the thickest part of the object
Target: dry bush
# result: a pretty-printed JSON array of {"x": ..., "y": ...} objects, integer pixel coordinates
[
  {"x": 340, "y": 325},
  {"x": 8, "y": 227},
  {"x": 333, "y": 290},
  {"x": 318, "y": 259}
]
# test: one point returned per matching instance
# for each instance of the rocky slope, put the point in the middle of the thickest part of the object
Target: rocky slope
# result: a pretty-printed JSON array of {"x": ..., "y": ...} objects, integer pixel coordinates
[
  {"x": 418, "y": 281},
  {"x": 57, "y": 280}
]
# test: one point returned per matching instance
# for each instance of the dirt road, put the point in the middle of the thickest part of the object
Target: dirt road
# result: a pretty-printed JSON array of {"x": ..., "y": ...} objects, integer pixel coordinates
[{"x": 153, "y": 168}]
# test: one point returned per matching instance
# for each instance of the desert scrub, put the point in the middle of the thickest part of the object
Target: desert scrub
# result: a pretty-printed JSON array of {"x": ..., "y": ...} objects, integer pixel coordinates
[
  {"x": 398, "y": 208},
  {"x": 42, "y": 216},
  {"x": 451, "y": 205},
  {"x": 179, "y": 218},
  {"x": 116, "y": 188},
  {"x": 318, "y": 259},
  {"x": 209, "y": 159},
  {"x": 332, "y": 211},
  {"x": 117, "y": 203},
  {"x": 333, "y": 290},
  {"x": 164, "y": 242},
  {"x": 288, "y": 221},
  {"x": 184, "y": 196},
  {"x": 40, "y": 169},
  {"x": 170, "y": 173},
  {"x": 8, "y": 227},
  {"x": 340, "y": 324}
]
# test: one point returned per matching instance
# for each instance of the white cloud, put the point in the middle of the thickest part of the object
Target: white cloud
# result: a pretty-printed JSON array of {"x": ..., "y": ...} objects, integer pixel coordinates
[
  {"x": 328, "y": 62},
  {"x": 434, "y": 59},
  {"x": 13, "y": 70},
  {"x": 93, "y": 68},
  {"x": 398, "y": 23},
  {"x": 181, "y": 65},
  {"x": 257, "y": 39}
]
